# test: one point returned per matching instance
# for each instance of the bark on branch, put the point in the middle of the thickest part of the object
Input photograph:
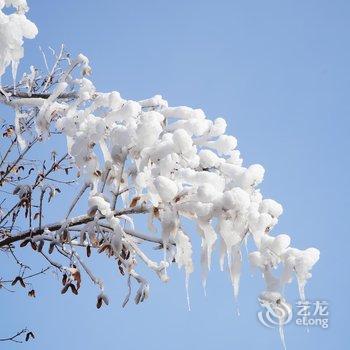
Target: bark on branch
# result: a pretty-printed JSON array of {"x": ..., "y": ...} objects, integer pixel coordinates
[{"x": 78, "y": 220}]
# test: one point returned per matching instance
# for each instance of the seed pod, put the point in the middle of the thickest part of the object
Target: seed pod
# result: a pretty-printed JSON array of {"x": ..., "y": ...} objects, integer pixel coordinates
[
  {"x": 64, "y": 279},
  {"x": 24, "y": 243},
  {"x": 15, "y": 280},
  {"x": 105, "y": 299},
  {"x": 31, "y": 293},
  {"x": 29, "y": 335},
  {"x": 107, "y": 247},
  {"x": 102, "y": 298},
  {"x": 73, "y": 289},
  {"x": 65, "y": 236},
  {"x": 64, "y": 289},
  {"x": 82, "y": 237},
  {"x": 123, "y": 253},
  {"x": 40, "y": 246},
  {"x": 17, "y": 189},
  {"x": 99, "y": 302},
  {"x": 51, "y": 247},
  {"x": 22, "y": 282}
]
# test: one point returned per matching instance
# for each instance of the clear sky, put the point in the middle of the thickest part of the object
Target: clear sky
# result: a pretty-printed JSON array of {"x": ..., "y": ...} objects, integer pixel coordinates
[{"x": 279, "y": 72}]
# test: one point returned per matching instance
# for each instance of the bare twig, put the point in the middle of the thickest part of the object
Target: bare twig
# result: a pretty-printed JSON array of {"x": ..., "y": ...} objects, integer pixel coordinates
[{"x": 13, "y": 338}]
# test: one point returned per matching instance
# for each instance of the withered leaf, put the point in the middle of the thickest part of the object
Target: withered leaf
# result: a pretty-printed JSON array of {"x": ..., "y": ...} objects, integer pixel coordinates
[
  {"x": 76, "y": 276},
  {"x": 134, "y": 201},
  {"x": 65, "y": 236},
  {"x": 156, "y": 212}
]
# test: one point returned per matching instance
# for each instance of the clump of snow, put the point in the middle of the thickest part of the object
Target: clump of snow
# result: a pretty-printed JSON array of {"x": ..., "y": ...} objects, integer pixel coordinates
[{"x": 13, "y": 29}]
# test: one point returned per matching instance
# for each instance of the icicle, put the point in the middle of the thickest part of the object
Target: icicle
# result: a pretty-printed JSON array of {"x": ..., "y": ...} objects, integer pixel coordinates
[
  {"x": 281, "y": 332},
  {"x": 169, "y": 227},
  {"x": 231, "y": 258},
  {"x": 301, "y": 287},
  {"x": 235, "y": 270},
  {"x": 14, "y": 75},
  {"x": 237, "y": 310},
  {"x": 164, "y": 256},
  {"x": 204, "y": 265},
  {"x": 223, "y": 251},
  {"x": 20, "y": 139},
  {"x": 150, "y": 224},
  {"x": 183, "y": 258},
  {"x": 209, "y": 237},
  {"x": 3, "y": 92},
  {"x": 105, "y": 151},
  {"x": 70, "y": 142},
  {"x": 204, "y": 285},
  {"x": 187, "y": 291},
  {"x": 246, "y": 244}
]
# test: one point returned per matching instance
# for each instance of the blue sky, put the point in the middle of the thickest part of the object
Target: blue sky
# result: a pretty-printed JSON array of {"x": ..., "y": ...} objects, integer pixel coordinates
[{"x": 279, "y": 72}]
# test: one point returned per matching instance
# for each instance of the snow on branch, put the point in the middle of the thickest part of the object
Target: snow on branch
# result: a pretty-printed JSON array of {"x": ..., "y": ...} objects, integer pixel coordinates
[{"x": 171, "y": 164}]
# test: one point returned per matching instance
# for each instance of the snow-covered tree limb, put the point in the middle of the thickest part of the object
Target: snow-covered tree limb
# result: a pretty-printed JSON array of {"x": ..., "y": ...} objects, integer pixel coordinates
[{"x": 172, "y": 164}]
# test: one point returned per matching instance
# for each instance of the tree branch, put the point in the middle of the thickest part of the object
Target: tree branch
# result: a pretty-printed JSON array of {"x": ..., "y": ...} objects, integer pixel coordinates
[
  {"x": 82, "y": 219},
  {"x": 13, "y": 338},
  {"x": 18, "y": 94}
]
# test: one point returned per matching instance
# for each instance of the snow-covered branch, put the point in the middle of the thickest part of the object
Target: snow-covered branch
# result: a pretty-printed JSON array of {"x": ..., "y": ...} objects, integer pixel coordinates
[{"x": 172, "y": 164}]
